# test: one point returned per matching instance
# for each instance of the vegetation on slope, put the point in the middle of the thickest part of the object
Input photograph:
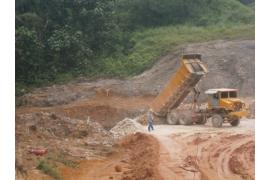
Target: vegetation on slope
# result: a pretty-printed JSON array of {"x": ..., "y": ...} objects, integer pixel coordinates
[
  {"x": 59, "y": 40},
  {"x": 152, "y": 43}
]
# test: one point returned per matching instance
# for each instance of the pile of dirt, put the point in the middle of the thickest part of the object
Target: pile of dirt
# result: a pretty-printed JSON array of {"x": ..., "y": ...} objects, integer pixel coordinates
[
  {"x": 126, "y": 127},
  {"x": 62, "y": 137},
  {"x": 106, "y": 110},
  {"x": 143, "y": 153},
  {"x": 136, "y": 158},
  {"x": 52, "y": 125}
]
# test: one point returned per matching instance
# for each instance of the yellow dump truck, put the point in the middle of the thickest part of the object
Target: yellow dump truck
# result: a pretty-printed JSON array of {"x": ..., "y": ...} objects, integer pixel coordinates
[{"x": 223, "y": 104}]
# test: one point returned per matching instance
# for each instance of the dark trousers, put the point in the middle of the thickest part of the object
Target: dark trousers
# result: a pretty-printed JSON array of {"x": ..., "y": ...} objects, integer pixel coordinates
[{"x": 150, "y": 126}]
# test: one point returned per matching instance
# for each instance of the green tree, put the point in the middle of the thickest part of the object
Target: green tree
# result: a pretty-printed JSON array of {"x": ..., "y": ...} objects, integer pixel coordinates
[{"x": 29, "y": 51}]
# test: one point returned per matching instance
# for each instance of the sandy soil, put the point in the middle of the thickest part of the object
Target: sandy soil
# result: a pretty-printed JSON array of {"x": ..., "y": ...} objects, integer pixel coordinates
[
  {"x": 137, "y": 158},
  {"x": 106, "y": 110},
  {"x": 177, "y": 152},
  {"x": 204, "y": 152}
]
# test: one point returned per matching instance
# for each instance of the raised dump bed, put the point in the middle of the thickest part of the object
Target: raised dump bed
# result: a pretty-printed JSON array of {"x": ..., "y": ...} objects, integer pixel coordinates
[{"x": 182, "y": 82}]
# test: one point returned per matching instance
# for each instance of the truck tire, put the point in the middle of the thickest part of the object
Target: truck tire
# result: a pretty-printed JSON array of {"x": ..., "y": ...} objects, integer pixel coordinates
[
  {"x": 235, "y": 122},
  {"x": 217, "y": 120},
  {"x": 202, "y": 120},
  {"x": 172, "y": 118},
  {"x": 185, "y": 118},
  {"x": 185, "y": 121}
]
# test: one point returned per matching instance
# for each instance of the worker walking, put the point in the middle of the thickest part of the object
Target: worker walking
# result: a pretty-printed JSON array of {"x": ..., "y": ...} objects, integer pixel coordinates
[{"x": 150, "y": 120}]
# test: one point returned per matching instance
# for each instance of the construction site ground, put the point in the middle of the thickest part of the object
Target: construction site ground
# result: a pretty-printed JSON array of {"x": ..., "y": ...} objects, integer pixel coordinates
[
  {"x": 180, "y": 152},
  {"x": 84, "y": 125}
]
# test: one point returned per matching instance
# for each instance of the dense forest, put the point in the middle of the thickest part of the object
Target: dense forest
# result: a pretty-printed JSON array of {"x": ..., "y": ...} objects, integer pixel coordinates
[{"x": 57, "y": 40}]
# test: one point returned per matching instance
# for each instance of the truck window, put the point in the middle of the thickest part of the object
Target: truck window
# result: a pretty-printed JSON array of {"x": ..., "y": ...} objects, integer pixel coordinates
[
  {"x": 215, "y": 96},
  {"x": 224, "y": 94},
  {"x": 233, "y": 94}
]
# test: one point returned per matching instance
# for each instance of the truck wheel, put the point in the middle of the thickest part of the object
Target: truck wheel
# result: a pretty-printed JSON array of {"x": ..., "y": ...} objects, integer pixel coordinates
[
  {"x": 202, "y": 120},
  {"x": 185, "y": 118},
  {"x": 235, "y": 122},
  {"x": 185, "y": 121},
  {"x": 217, "y": 120},
  {"x": 172, "y": 118}
]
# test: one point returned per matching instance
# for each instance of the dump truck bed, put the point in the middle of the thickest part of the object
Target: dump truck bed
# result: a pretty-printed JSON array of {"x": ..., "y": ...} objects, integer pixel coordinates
[{"x": 182, "y": 82}]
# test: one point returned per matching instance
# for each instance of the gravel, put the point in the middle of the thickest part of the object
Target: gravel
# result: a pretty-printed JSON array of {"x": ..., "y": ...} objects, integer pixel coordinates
[{"x": 125, "y": 127}]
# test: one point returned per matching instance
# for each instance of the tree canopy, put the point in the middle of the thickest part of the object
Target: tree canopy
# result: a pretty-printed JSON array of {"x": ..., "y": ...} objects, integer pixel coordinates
[{"x": 55, "y": 37}]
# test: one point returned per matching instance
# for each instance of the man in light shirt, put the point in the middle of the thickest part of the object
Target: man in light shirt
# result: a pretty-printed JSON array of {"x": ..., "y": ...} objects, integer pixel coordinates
[{"x": 150, "y": 120}]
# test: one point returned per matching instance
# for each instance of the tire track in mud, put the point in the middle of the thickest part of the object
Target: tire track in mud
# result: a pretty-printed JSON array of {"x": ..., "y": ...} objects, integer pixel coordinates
[{"x": 206, "y": 153}]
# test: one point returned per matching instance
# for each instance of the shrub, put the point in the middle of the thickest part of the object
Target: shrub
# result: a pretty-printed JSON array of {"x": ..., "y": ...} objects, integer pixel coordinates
[{"x": 48, "y": 169}]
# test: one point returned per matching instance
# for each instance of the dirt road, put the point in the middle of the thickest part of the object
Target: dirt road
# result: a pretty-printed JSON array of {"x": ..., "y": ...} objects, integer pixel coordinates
[
  {"x": 204, "y": 152},
  {"x": 178, "y": 152}
]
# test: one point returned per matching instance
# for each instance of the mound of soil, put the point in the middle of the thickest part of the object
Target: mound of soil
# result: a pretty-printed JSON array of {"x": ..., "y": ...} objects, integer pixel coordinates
[
  {"x": 51, "y": 125},
  {"x": 106, "y": 110},
  {"x": 63, "y": 137},
  {"x": 136, "y": 158},
  {"x": 125, "y": 127},
  {"x": 143, "y": 152}
]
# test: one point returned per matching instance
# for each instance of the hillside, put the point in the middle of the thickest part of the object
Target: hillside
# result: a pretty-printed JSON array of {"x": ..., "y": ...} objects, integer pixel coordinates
[
  {"x": 231, "y": 65},
  {"x": 59, "y": 41}
]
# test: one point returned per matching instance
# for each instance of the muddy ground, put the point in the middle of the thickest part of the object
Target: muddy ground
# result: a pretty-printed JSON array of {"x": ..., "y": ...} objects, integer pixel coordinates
[
  {"x": 73, "y": 121},
  {"x": 204, "y": 152},
  {"x": 178, "y": 152}
]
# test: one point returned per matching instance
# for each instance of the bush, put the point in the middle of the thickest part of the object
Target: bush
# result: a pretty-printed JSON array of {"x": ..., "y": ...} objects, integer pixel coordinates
[
  {"x": 48, "y": 169},
  {"x": 152, "y": 43}
]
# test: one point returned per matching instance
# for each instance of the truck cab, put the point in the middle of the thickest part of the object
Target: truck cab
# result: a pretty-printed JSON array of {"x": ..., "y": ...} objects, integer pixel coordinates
[
  {"x": 222, "y": 98},
  {"x": 226, "y": 102}
]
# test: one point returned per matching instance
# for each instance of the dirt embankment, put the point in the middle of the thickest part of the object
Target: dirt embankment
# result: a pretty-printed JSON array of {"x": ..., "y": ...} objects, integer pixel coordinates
[
  {"x": 106, "y": 110},
  {"x": 137, "y": 159},
  {"x": 66, "y": 140},
  {"x": 143, "y": 159}
]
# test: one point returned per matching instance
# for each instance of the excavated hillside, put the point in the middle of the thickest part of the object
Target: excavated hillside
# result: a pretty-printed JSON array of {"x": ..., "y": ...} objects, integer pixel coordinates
[{"x": 230, "y": 63}]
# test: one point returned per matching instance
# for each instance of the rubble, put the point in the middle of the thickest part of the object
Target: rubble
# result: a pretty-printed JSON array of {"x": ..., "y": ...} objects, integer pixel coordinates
[
  {"x": 56, "y": 126},
  {"x": 125, "y": 127},
  {"x": 59, "y": 135}
]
